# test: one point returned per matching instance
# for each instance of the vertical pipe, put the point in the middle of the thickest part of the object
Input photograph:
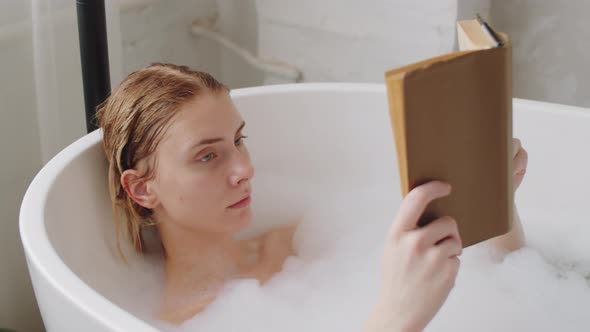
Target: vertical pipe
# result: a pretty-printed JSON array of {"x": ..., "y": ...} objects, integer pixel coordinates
[{"x": 94, "y": 56}]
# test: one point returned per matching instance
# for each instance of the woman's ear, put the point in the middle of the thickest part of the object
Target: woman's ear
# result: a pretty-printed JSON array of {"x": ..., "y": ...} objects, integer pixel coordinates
[{"x": 138, "y": 189}]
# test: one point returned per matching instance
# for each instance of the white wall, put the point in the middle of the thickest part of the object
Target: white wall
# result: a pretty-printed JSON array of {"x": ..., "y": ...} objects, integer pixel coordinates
[
  {"x": 238, "y": 20},
  {"x": 160, "y": 31},
  {"x": 20, "y": 151},
  {"x": 550, "y": 48},
  {"x": 347, "y": 40},
  {"x": 354, "y": 40}
]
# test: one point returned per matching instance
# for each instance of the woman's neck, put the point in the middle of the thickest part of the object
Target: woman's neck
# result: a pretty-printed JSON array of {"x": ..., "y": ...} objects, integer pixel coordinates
[{"x": 198, "y": 254}]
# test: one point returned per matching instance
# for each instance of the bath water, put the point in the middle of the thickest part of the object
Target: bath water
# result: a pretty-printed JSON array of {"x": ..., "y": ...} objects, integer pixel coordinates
[{"x": 332, "y": 284}]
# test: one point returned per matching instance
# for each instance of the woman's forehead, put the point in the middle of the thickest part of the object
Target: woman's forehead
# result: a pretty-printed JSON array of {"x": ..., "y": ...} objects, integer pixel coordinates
[{"x": 204, "y": 118}]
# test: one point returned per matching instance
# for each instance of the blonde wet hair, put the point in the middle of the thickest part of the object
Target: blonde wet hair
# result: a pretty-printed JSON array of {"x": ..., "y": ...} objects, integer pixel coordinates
[{"x": 133, "y": 119}]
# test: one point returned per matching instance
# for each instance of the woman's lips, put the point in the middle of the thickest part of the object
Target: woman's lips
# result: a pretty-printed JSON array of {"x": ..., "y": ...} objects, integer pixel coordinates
[{"x": 243, "y": 203}]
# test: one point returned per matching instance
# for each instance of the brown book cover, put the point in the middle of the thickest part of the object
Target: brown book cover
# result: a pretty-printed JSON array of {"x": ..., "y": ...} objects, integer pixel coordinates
[{"x": 452, "y": 121}]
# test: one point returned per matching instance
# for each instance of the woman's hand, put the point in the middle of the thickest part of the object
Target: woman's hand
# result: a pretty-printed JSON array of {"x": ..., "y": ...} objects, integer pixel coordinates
[
  {"x": 514, "y": 239},
  {"x": 519, "y": 162},
  {"x": 419, "y": 264}
]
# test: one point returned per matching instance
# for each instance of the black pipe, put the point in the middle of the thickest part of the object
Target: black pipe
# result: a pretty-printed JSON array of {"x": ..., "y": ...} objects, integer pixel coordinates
[{"x": 94, "y": 56}]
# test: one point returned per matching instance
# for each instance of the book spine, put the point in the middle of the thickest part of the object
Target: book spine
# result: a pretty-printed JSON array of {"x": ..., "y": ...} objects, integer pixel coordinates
[
  {"x": 396, "y": 106},
  {"x": 507, "y": 50}
]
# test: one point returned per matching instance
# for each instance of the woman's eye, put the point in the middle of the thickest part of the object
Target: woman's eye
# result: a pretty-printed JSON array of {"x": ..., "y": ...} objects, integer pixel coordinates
[
  {"x": 207, "y": 157},
  {"x": 239, "y": 140}
]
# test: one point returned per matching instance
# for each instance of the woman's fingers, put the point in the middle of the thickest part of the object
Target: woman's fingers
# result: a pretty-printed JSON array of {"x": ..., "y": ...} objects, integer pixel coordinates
[
  {"x": 440, "y": 230},
  {"x": 448, "y": 248},
  {"x": 414, "y": 204},
  {"x": 516, "y": 146},
  {"x": 520, "y": 162}
]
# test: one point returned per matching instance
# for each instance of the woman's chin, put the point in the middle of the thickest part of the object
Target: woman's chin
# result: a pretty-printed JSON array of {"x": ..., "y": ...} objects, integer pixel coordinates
[{"x": 240, "y": 221}]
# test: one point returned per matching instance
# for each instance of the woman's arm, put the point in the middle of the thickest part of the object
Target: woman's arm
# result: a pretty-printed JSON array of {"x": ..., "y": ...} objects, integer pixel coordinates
[
  {"x": 419, "y": 265},
  {"x": 412, "y": 289},
  {"x": 515, "y": 238}
]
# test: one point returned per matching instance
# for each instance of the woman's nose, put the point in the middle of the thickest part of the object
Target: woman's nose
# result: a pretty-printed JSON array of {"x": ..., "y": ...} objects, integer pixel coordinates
[{"x": 242, "y": 170}]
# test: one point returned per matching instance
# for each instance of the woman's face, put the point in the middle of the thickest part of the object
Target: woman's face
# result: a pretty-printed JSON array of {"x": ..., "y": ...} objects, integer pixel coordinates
[{"x": 203, "y": 169}]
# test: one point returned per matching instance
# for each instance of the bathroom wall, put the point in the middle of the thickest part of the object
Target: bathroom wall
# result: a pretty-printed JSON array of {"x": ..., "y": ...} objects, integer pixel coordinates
[
  {"x": 20, "y": 151},
  {"x": 160, "y": 31},
  {"x": 551, "y": 48},
  {"x": 353, "y": 40},
  {"x": 154, "y": 31},
  {"x": 238, "y": 21},
  {"x": 357, "y": 41}
]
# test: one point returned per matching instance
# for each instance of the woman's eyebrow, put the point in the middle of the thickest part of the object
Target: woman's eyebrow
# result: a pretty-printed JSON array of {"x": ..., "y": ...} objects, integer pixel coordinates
[
  {"x": 216, "y": 139},
  {"x": 241, "y": 127}
]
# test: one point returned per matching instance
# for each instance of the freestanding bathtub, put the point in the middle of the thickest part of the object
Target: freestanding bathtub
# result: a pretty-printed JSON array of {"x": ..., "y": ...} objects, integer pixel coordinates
[{"x": 330, "y": 134}]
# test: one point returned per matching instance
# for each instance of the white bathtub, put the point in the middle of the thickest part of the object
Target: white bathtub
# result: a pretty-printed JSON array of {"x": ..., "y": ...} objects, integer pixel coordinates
[{"x": 336, "y": 135}]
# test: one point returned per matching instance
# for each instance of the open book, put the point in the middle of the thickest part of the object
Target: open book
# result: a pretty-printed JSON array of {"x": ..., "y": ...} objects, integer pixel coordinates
[{"x": 451, "y": 117}]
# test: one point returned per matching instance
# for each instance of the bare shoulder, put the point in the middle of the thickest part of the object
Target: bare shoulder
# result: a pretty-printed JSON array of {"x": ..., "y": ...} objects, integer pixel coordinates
[
  {"x": 272, "y": 248},
  {"x": 277, "y": 244},
  {"x": 282, "y": 234},
  {"x": 285, "y": 230}
]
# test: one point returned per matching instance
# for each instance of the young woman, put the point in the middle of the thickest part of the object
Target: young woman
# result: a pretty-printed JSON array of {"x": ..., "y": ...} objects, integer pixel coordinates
[{"x": 178, "y": 161}]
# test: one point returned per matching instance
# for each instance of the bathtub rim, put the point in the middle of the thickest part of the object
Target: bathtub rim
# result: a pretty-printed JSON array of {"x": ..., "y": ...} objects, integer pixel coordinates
[{"x": 42, "y": 255}]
